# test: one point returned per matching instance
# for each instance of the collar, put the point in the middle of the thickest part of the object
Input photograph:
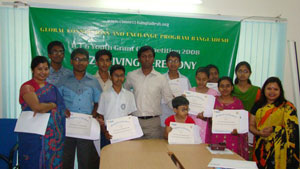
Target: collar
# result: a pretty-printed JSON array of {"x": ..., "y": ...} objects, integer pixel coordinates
[
  {"x": 86, "y": 75},
  {"x": 167, "y": 75},
  {"x": 113, "y": 90},
  {"x": 153, "y": 72}
]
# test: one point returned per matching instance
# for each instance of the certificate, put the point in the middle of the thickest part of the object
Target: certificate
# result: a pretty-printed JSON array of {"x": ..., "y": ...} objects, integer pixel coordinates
[
  {"x": 226, "y": 120},
  {"x": 124, "y": 128},
  {"x": 178, "y": 86},
  {"x": 28, "y": 124},
  {"x": 200, "y": 103},
  {"x": 184, "y": 133},
  {"x": 226, "y": 163},
  {"x": 83, "y": 126},
  {"x": 213, "y": 86}
]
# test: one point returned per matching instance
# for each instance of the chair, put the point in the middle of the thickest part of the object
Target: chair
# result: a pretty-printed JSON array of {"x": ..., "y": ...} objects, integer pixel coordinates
[{"x": 8, "y": 144}]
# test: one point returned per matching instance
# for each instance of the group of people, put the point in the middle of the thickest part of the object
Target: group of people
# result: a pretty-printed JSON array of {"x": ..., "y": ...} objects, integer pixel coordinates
[{"x": 147, "y": 95}]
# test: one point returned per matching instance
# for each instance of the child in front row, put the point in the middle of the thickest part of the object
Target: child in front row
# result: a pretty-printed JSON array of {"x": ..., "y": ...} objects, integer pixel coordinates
[
  {"x": 202, "y": 76},
  {"x": 181, "y": 108},
  {"x": 115, "y": 102}
]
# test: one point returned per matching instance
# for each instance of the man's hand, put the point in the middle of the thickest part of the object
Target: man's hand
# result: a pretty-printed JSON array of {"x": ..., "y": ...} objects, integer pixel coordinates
[
  {"x": 107, "y": 135},
  {"x": 100, "y": 120}
]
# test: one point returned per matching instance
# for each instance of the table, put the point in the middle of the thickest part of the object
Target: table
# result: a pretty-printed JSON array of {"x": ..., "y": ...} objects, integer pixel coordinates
[{"x": 154, "y": 154}]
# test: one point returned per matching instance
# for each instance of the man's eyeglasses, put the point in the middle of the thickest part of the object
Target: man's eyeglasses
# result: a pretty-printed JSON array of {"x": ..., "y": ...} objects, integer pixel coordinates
[
  {"x": 57, "y": 52},
  {"x": 80, "y": 59}
]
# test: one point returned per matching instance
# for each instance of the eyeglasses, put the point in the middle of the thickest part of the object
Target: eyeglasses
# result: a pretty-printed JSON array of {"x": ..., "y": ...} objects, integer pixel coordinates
[
  {"x": 59, "y": 52},
  {"x": 243, "y": 71},
  {"x": 80, "y": 59},
  {"x": 173, "y": 61},
  {"x": 184, "y": 109}
]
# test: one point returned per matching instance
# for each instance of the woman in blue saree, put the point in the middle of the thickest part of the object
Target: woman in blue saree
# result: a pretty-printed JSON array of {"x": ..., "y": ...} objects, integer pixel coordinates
[{"x": 36, "y": 151}]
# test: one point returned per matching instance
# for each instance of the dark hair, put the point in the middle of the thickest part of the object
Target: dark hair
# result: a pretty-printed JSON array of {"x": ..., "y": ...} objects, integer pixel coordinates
[
  {"x": 243, "y": 63},
  {"x": 37, "y": 60},
  {"x": 225, "y": 78},
  {"x": 179, "y": 101},
  {"x": 202, "y": 70},
  {"x": 116, "y": 67},
  {"x": 145, "y": 48},
  {"x": 173, "y": 54},
  {"x": 80, "y": 51},
  {"x": 212, "y": 66},
  {"x": 263, "y": 99},
  {"x": 54, "y": 43},
  {"x": 103, "y": 52}
]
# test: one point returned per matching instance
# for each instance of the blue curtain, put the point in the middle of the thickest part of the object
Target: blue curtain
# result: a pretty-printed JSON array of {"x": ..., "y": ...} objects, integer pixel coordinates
[
  {"x": 15, "y": 57},
  {"x": 262, "y": 44}
]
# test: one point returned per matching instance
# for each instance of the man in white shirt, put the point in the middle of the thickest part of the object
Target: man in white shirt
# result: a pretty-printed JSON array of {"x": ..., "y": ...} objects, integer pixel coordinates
[
  {"x": 115, "y": 102},
  {"x": 103, "y": 61},
  {"x": 149, "y": 87}
]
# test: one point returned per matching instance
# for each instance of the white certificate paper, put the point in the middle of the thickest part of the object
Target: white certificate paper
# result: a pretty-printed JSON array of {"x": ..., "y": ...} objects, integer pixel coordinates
[
  {"x": 213, "y": 86},
  {"x": 178, "y": 86},
  {"x": 83, "y": 126},
  {"x": 226, "y": 120},
  {"x": 28, "y": 124},
  {"x": 184, "y": 133},
  {"x": 124, "y": 128},
  {"x": 236, "y": 164},
  {"x": 200, "y": 103}
]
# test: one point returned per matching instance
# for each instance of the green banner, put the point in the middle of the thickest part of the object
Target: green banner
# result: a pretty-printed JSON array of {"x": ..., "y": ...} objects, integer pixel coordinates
[{"x": 199, "y": 41}]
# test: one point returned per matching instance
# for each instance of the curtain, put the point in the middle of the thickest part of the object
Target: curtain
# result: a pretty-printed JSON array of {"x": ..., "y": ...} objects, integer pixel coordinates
[
  {"x": 262, "y": 44},
  {"x": 15, "y": 57}
]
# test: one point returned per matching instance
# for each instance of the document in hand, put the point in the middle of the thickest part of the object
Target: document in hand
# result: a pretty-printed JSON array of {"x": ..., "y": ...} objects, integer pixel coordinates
[
  {"x": 200, "y": 103},
  {"x": 28, "y": 124},
  {"x": 178, "y": 86},
  {"x": 226, "y": 120},
  {"x": 184, "y": 133},
  {"x": 236, "y": 164},
  {"x": 124, "y": 128},
  {"x": 212, "y": 86},
  {"x": 83, "y": 126}
]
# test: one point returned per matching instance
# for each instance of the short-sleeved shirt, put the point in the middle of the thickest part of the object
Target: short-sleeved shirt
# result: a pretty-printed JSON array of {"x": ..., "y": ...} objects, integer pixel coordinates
[
  {"x": 148, "y": 91},
  {"x": 79, "y": 95},
  {"x": 114, "y": 105},
  {"x": 172, "y": 119},
  {"x": 104, "y": 85},
  {"x": 54, "y": 75}
]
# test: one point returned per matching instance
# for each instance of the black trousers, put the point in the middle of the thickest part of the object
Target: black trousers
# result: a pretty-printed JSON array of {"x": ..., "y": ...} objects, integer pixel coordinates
[{"x": 86, "y": 154}]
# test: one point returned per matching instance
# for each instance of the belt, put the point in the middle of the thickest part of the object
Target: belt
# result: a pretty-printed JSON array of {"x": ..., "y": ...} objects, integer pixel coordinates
[{"x": 147, "y": 117}]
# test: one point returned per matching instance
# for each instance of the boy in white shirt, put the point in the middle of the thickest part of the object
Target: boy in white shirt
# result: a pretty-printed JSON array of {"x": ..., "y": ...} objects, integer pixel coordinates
[
  {"x": 173, "y": 60},
  {"x": 115, "y": 102}
]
